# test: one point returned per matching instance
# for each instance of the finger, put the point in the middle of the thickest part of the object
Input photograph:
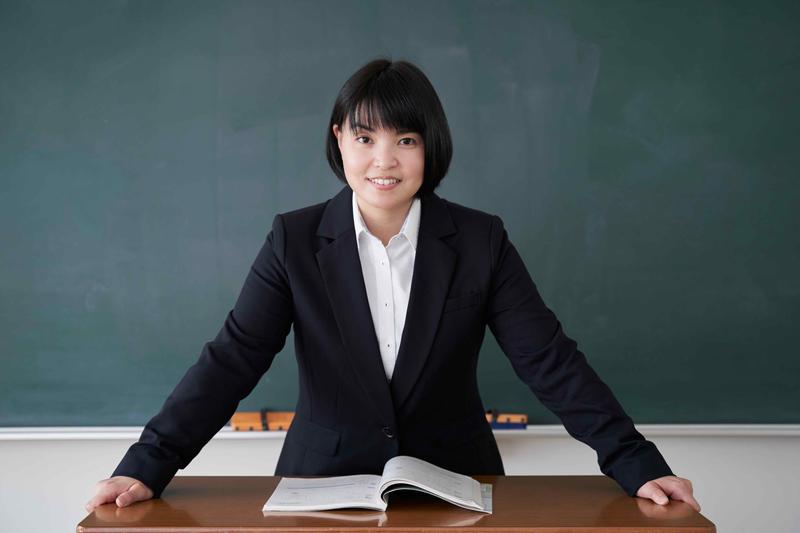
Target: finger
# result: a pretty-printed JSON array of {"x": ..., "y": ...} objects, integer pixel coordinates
[
  {"x": 98, "y": 500},
  {"x": 683, "y": 492},
  {"x": 657, "y": 495},
  {"x": 694, "y": 503},
  {"x": 136, "y": 492},
  {"x": 106, "y": 492}
]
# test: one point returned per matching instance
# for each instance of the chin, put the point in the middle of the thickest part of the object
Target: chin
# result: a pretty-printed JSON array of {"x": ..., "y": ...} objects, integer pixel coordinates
[{"x": 386, "y": 203}]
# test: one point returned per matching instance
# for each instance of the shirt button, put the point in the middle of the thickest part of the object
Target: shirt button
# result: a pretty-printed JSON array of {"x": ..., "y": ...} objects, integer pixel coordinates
[
  {"x": 388, "y": 345},
  {"x": 388, "y": 432}
]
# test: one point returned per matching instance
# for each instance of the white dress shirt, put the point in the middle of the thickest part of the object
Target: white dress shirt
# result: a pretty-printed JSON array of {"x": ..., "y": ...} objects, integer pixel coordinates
[{"x": 387, "y": 272}]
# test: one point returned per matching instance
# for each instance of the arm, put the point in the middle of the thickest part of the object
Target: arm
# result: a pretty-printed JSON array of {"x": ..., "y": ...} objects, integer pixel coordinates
[
  {"x": 227, "y": 370},
  {"x": 550, "y": 364}
]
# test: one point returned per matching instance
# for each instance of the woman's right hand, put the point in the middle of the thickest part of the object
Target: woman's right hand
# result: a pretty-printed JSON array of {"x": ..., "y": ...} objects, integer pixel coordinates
[{"x": 120, "y": 489}]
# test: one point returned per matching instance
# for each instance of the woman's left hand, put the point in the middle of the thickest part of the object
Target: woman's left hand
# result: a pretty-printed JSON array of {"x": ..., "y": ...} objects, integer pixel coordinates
[{"x": 660, "y": 490}]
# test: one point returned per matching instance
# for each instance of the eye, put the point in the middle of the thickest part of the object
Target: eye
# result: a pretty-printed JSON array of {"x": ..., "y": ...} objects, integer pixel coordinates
[
  {"x": 413, "y": 140},
  {"x": 361, "y": 137}
]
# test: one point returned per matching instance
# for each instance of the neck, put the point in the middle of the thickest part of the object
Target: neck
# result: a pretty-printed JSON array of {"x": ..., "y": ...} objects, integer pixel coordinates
[{"x": 383, "y": 223}]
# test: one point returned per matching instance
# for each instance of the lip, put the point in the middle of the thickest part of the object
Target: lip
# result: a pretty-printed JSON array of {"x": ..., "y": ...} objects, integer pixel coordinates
[{"x": 384, "y": 187}]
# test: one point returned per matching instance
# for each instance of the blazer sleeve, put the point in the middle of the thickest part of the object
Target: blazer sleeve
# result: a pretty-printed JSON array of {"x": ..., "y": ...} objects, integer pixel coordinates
[
  {"x": 557, "y": 372},
  {"x": 226, "y": 371}
]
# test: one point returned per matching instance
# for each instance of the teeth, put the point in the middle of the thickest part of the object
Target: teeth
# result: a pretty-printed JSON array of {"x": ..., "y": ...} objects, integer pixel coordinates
[{"x": 383, "y": 182}]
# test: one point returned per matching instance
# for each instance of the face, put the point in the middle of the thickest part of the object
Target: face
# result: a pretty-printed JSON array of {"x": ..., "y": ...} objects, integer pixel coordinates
[{"x": 382, "y": 153}]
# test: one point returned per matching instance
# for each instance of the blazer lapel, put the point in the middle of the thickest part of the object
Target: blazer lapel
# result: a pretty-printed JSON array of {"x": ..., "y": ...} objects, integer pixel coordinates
[
  {"x": 340, "y": 267},
  {"x": 434, "y": 264}
]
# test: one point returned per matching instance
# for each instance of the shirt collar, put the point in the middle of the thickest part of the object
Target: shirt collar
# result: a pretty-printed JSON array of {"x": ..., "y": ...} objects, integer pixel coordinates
[{"x": 410, "y": 228}]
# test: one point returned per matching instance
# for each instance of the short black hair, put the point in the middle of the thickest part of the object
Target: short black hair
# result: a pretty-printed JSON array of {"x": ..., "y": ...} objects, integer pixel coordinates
[{"x": 394, "y": 95}]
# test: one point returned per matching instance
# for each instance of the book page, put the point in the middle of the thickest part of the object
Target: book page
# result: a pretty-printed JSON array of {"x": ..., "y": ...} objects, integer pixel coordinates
[
  {"x": 456, "y": 488},
  {"x": 358, "y": 518},
  {"x": 486, "y": 497},
  {"x": 318, "y": 494}
]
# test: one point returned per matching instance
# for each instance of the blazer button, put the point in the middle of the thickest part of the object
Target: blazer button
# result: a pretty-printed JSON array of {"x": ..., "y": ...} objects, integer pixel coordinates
[{"x": 388, "y": 432}]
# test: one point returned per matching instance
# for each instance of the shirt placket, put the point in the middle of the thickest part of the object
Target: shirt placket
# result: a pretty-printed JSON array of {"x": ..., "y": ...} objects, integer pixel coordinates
[{"x": 386, "y": 313}]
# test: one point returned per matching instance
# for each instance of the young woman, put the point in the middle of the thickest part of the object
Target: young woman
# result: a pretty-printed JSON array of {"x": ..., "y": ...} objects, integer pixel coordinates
[{"x": 389, "y": 289}]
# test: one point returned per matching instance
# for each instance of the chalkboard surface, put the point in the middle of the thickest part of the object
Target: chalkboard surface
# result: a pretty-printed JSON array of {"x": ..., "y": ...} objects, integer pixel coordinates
[{"x": 643, "y": 156}]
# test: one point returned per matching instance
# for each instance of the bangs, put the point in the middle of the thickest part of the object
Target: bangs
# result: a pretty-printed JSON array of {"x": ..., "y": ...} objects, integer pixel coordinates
[{"x": 384, "y": 106}]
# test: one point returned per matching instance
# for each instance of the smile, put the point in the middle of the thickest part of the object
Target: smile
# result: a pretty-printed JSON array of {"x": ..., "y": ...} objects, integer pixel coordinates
[{"x": 384, "y": 181}]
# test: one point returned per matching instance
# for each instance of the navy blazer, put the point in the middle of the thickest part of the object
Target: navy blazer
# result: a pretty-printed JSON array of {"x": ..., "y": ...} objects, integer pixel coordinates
[{"x": 349, "y": 419}]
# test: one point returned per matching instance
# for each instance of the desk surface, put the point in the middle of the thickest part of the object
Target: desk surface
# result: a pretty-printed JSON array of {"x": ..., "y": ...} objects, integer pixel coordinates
[{"x": 521, "y": 503}]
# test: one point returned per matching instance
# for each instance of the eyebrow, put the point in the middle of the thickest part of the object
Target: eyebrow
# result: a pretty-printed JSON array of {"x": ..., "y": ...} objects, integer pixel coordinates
[{"x": 359, "y": 126}]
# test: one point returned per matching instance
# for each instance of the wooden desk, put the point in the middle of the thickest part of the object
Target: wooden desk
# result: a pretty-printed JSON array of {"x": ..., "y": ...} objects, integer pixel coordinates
[{"x": 586, "y": 504}]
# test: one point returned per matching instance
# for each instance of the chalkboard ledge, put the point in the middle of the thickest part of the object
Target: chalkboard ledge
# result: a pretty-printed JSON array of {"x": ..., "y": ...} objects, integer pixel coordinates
[{"x": 131, "y": 433}]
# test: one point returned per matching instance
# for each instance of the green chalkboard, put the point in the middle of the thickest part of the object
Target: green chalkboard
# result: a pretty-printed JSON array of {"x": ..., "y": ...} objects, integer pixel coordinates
[{"x": 643, "y": 156}]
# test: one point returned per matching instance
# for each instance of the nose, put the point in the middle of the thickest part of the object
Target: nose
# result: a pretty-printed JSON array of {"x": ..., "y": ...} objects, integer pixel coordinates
[{"x": 384, "y": 158}]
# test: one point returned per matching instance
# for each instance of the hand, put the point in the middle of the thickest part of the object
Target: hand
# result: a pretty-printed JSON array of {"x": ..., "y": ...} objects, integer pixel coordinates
[
  {"x": 120, "y": 489},
  {"x": 660, "y": 490}
]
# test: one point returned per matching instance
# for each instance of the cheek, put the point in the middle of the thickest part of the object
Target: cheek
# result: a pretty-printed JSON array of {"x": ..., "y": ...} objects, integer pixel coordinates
[
  {"x": 354, "y": 160},
  {"x": 417, "y": 163}
]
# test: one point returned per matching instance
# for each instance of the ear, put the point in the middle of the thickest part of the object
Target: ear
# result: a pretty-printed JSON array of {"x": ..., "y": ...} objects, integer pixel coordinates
[{"x": 338, "y": 133}]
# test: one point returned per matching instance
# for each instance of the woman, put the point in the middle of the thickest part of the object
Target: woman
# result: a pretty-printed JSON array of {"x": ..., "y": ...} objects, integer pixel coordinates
[{"x": 389, "y": 289}]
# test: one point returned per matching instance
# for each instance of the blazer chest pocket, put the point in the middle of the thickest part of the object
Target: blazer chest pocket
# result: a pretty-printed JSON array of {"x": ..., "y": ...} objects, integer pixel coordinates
[{"x": 462, "y": 301}]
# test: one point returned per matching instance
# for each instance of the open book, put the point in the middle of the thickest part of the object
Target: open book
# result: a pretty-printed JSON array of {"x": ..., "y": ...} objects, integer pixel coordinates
[{"x": 371, "y": 492}]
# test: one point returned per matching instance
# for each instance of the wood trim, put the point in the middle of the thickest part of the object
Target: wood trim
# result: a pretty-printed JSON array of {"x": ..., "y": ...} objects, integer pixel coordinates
[{"x": 648, "y": 430}]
